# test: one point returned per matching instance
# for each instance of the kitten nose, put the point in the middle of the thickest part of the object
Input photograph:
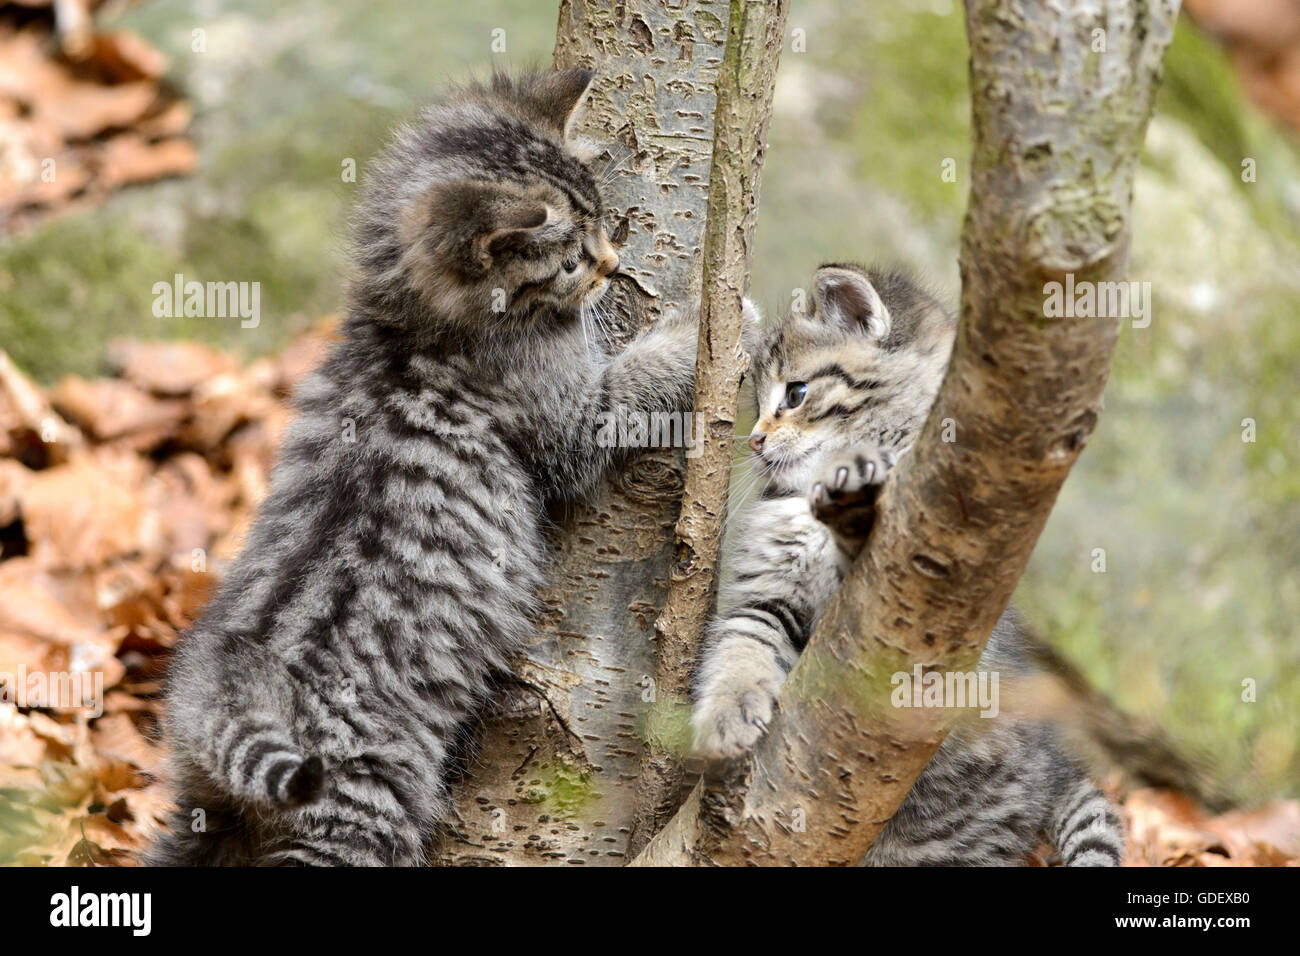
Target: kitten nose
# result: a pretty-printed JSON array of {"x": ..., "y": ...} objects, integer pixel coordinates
[
  {"x": 756, "y": 441},
  {"x": 604, "y": 258}
]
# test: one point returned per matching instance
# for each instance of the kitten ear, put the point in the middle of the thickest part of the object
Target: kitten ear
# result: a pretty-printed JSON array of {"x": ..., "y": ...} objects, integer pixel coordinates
[
  {"x": 558, "y": 97},
  {"x": 506, "y": 224},
  {"x": 846, "y": 297},
  {"x": 472, "y": 221}
]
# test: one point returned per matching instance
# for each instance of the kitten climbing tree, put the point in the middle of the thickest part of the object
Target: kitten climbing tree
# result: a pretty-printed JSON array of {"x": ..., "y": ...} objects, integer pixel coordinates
[
  {"x": 567, "y": 744},
  {"x": 582, "y": 762}
]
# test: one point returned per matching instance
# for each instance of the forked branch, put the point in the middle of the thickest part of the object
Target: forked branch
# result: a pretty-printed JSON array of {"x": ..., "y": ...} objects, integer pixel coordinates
[{"x": 1061, "y": 96}]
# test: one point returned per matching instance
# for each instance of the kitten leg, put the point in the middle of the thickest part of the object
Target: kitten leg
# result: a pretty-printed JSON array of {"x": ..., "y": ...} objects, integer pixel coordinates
[
  {"x": 788, "y": 569},
  {"x": 653, "y": 375},
  {"x": 657, "y": 371}
]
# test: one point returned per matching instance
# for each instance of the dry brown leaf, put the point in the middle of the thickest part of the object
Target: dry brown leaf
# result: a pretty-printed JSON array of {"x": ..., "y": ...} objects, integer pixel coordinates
[
  {"x": 167, "y": 368},
  {"x": 20, "y": 745},
  {"x": 30, "y": 430},
  {"x": 195, "y": 503},
  {"x": 1270, "y": 833},
  {"x": 13, "y": 479},
  {"x": 115, "y": 736},
  {"x": 29, "y": 606},
  {"x": 125, "y": 56},
  {"x": 81, "y": 110},
  {"x": 227, "y": 401},
  {"x": 86, "y": 513},
  {"x": 110, "y": 408},
  {"x": 1163, "y": 831},
  {"x": 130, "y": 158},
  {"x": 1167, "y": 829},
  {"x": 92, "y": 103}
]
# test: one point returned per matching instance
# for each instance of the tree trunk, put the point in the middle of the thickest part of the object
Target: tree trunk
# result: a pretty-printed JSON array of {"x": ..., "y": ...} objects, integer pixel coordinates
[
  {"x": 1058, "y": 126},
  {"x": 554, "y": 777},
  {"x": 744, "y": 110}
]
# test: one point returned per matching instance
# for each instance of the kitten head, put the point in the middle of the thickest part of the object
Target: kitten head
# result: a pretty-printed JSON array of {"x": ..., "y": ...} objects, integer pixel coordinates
[
  {"x": 863, "y": 364},
  {"x": 484, "y": 216}
]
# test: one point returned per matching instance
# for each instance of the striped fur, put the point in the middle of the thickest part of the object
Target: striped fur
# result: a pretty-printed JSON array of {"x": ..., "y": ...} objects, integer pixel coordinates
[
  {"x": 393, "y": 568},
  {"x": 870, "y": 357}
]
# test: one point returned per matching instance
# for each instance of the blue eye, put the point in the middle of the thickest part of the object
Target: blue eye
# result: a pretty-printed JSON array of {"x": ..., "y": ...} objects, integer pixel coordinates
[{"x": 794, "y": 394}]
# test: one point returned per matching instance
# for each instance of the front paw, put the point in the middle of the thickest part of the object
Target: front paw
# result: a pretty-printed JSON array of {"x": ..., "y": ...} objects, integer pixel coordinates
[
  {"x": 751, "y": 322},
  {"x": 728, "y": 724},
  {"x": 844, "y": 495}
]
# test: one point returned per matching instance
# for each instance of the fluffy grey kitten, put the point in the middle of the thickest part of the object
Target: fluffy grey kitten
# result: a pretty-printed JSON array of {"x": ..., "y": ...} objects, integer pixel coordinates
[
  {"x": 393, "y": 568},
  {"x": 841, "y": 395}
]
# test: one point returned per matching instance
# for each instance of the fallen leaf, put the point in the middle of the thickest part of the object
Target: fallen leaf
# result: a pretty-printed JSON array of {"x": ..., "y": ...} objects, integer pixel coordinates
[
  {"x": 111, "y": 408},
  {"x": 167, "y": 368}
]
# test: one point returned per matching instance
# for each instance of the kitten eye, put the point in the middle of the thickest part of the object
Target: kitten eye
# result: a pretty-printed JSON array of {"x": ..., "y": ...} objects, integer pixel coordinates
[
  {"x": 571, "y": 264},
  {"x": 794, "y": 394}
]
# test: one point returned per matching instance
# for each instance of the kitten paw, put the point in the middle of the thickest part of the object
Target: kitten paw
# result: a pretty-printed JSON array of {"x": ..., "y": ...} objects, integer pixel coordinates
[
  {"x": 844, "y": 496},
  {"x": 730, "y": 724},
  {"x": 751, "y": 322}
]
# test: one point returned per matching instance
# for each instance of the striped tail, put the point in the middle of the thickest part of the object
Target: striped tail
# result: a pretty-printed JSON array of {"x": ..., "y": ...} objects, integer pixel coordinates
[
  {"x": 258, "y": 763},
  {"x": 1086, "y": 829}
]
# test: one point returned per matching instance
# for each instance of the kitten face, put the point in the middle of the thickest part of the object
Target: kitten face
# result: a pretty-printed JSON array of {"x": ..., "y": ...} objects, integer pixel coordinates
[
  {"x": 486, "y": 213},
  {"x": 865, "y": 365}
]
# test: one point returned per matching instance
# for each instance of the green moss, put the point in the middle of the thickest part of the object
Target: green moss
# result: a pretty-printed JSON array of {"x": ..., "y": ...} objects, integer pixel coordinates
[
  {"x": 562, "y": 791},
  {"x": 666, "y": 725},
  {"x": 915, "y": 115}
]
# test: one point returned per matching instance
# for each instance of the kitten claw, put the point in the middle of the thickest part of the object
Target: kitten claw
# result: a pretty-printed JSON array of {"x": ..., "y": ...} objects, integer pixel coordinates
[{"x": 846, "y": 500}]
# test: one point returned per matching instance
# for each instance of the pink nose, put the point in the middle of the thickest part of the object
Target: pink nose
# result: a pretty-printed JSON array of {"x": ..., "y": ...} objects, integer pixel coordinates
[{"x": 756, "y": 441}]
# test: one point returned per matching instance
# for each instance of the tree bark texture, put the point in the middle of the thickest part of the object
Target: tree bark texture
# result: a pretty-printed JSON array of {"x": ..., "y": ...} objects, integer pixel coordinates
[
  {"x": 744, "y": 110},
  {"x": 553, "y": 774},
  {"x": 1058, "y": 127}
]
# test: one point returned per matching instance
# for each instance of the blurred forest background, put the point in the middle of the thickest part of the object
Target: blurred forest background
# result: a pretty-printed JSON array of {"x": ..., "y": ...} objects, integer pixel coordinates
[{"x": 1201, "y": 588}]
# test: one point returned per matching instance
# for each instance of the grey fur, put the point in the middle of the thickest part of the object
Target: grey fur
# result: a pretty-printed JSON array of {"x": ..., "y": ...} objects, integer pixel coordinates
[
  {"x": 873, "y": 353},
  {"x": 392, "y": 571}
]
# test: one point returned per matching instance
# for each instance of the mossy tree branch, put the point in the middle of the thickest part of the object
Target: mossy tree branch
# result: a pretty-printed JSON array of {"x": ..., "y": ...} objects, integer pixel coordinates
[{"x": 1061, "y": 97}]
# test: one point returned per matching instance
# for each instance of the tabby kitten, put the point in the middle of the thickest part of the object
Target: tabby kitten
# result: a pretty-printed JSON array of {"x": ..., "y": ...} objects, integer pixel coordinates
[
  {"x": 393, "y": 568},
  {"x": 842, "y": 394}
]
